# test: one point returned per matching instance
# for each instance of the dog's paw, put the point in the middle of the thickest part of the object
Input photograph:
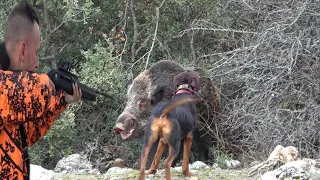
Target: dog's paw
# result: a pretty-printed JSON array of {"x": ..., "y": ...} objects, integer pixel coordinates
[
  {"x": 150, "y": 171},
  {"x": 142, "y": 176},
  {"x": 187, "y": 173}
]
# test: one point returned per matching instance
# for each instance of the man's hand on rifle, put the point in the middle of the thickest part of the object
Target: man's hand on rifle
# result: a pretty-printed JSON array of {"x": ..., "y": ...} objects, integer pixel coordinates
[{"x": 76, "y": 97}]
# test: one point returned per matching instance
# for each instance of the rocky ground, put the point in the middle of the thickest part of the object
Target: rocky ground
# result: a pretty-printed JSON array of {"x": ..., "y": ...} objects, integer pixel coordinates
[
  {"x": 284, "y": 163},
  {"x": 176, "y": 175},
  {"x": 200, "y": 170}
]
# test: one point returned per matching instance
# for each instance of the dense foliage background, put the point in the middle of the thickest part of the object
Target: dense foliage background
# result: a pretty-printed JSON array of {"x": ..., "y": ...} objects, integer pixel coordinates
[{"x": 263, "y": 56}]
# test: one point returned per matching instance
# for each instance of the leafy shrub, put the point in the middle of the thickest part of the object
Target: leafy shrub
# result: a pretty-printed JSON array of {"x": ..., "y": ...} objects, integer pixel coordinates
[{"x": 56, "y": 144}]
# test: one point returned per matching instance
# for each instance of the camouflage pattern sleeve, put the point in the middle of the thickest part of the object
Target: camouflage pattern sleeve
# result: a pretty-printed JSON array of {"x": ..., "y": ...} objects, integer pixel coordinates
[
  {"x": 28, "y": 97},
  {"x": 37, "y": 129}
]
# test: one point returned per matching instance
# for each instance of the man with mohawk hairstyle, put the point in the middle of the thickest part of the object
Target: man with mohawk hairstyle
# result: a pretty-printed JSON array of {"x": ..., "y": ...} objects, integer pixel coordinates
[{"x": 29, "y": 104}]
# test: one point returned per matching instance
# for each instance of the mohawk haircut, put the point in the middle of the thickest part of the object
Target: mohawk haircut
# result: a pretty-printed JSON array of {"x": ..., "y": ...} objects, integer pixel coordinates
[{"x": 20, "y": 22}]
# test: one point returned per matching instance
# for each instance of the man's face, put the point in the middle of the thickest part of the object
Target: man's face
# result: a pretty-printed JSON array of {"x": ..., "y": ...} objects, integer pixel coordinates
[{"x": 30, "y": 61}]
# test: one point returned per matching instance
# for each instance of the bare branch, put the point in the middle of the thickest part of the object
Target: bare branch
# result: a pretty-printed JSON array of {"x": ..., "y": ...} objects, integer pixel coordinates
[
  {"x": 155, "y": 32},
  {"x": 268, "y": 76},
  {"x": 143, "y": 44},
  {"x": 135, "y": 32},
  {"x": 124, "y": 27},
  {"x": 215, "y": 29},
  {"x": 193, "y": 53},
  {"x": 46, "y": 16},
  {"x": 46, "y": 58}
]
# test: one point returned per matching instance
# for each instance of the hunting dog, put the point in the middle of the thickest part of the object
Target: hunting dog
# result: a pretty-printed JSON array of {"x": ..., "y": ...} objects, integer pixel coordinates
[{"x": 174, "y": 122}]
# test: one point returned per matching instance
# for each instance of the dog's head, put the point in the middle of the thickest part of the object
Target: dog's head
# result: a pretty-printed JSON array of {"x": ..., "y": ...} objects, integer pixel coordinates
[{"x": 188, "y": 80}]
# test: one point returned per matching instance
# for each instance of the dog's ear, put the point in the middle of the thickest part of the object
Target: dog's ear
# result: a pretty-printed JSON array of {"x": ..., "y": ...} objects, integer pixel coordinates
[
  {"x": 196, "y": 82},
  {"x": 176, "y": 81}
]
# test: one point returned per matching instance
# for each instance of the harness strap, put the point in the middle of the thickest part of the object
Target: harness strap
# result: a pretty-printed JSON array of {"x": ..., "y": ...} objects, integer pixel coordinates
[
  {"x": 8, "y": 157},
  {"x": 24, "y": 150}
]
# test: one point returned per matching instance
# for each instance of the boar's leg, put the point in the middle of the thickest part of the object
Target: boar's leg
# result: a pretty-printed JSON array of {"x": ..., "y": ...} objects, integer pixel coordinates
[{"x": 202, "y": 143}]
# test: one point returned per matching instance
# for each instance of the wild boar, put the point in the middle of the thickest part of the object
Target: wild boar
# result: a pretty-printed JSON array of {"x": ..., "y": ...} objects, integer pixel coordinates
[{"x": 156, "y": 84}]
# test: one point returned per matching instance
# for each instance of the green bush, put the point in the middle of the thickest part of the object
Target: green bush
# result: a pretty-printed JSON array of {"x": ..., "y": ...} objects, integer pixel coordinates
[{"x": 56, "y": 144}]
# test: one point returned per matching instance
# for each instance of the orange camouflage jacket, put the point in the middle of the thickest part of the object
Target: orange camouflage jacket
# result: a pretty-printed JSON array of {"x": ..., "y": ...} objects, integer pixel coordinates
[{"x": 25, "y": 98}]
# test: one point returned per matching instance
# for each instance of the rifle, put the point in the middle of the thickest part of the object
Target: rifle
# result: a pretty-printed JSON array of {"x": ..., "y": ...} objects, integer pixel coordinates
[{"x": 63, "y": 79}]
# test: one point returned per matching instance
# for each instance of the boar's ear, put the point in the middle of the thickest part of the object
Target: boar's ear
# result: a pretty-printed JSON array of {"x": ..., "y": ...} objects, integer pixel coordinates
[
  {"x": 127, "y": 83},
  {"x": 157, "y": 93}
]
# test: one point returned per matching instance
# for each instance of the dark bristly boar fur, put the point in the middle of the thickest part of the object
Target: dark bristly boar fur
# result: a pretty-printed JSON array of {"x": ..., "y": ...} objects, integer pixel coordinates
[{"x": 156, "y": 84}]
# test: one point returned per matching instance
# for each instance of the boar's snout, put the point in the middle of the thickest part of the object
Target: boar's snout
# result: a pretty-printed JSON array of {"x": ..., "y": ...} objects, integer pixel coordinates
[
  {"x": 117, "y": 130},
  {"x": 125, "y": 126}
]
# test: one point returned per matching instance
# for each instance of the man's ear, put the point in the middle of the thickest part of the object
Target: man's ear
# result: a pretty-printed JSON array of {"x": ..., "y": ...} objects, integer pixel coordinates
[{"x": 22, "y": 51}]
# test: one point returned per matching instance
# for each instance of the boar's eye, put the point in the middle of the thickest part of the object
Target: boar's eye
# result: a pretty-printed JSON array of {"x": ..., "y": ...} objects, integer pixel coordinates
[
  {"x": 125, "y": 97},
  {"x": 140, "y": 106},
  {"x": 131, "y": 122},
  {"x": 142, "y": 103}
]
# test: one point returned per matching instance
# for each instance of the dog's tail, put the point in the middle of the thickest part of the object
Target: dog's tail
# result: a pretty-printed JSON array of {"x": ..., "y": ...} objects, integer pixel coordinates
[{"x": 175, "y": 104}]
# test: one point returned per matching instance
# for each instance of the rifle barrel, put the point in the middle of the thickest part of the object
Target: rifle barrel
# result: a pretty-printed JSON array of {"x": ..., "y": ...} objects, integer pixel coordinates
[{"x": 104, "y": 94}]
